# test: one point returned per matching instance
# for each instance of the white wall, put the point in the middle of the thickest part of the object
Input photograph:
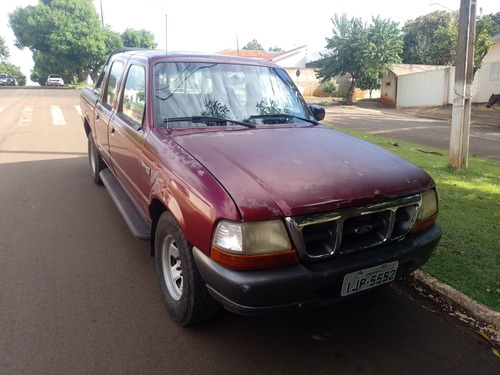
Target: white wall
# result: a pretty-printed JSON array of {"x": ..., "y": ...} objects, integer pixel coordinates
[{"x": 423, "y": 89}]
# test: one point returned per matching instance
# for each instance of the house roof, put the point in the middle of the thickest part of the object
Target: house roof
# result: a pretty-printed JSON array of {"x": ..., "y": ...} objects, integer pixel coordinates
[
  {"x": 255, "y": 54},
  {"x": 258, "y": 54}
]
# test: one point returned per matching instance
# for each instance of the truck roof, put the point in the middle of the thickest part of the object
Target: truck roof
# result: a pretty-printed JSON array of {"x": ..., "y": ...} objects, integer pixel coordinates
[
  {"x": 156, "y": 55},
  {"x": 162, "y": 55}
]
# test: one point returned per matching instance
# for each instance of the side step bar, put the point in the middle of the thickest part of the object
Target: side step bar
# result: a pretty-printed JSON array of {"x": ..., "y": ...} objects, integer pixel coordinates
[{"x": 137, "y": 224}]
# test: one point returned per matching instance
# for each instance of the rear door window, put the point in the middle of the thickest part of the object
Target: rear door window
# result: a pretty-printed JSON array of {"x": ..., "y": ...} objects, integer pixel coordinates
[
  {"x": 113, "y": 81},
  {"x": 134, "y": 94}
]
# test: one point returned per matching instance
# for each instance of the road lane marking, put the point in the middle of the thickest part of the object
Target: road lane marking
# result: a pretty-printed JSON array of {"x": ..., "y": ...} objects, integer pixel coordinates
[
  {"x": 26, "y": 116},
  {"x": 57, "y": 115},
  {"x": 78, "y": 109}
]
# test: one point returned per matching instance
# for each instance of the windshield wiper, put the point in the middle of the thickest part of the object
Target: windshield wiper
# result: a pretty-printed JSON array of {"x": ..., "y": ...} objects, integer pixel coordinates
[
  {"x": 278, "y": 118},
  {"x": 209, "y": 121}
]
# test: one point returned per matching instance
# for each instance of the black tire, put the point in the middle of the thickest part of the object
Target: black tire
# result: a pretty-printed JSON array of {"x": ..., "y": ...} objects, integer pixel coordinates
[
  {"x": 184, "y": 293},
  {"x": 95, "y": 161}
]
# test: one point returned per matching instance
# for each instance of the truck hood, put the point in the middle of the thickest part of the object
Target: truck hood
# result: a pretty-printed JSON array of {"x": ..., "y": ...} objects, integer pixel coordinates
[{"x": 292, "y": 171}]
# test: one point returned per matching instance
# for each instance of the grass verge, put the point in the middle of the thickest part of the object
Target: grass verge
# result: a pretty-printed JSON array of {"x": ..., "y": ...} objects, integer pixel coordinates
[{"x": 468, "y": 256}]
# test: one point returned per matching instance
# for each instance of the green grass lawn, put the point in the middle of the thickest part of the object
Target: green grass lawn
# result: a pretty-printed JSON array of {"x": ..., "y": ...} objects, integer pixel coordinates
[{"x": 468, "y": 256}]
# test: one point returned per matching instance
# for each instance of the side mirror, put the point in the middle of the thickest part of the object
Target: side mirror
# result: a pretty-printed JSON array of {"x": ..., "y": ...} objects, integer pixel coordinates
[{"x": 317, "y": 111}]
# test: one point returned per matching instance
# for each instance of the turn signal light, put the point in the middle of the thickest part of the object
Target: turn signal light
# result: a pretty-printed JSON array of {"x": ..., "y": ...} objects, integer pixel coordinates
[
  {"x": 254, "y": 262},
  {"x": 424, "y": 224}
]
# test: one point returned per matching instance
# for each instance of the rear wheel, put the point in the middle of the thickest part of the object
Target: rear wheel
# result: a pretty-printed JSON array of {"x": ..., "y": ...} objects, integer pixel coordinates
[
  {"x": 95, "y": 161},
  {"x": 184, "y": 293}
]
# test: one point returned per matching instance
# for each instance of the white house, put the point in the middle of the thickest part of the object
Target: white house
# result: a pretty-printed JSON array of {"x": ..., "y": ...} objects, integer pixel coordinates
[
  {"x": 411, "y": 85},
  {"x": 487, "y": 79},
  {"x": 408, "y": 85}
]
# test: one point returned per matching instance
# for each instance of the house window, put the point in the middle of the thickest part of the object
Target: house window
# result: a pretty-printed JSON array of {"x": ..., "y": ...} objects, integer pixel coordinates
[{"x": 495, "y": 72}]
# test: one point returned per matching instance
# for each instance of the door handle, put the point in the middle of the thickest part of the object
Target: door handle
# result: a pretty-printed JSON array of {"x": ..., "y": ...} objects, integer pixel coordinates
[{"x": 112, "y": 129}]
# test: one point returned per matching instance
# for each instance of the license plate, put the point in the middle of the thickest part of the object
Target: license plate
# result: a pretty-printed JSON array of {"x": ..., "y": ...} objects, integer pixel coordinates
[{"x": 368, "y": 278}]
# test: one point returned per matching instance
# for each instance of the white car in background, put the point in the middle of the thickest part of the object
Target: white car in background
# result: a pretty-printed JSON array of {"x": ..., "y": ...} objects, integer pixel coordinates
[{"x": 54, "y": 80}]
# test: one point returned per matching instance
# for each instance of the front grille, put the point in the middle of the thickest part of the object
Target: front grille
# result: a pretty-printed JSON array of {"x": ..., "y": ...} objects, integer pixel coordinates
[{"x": 343, "y": 232}]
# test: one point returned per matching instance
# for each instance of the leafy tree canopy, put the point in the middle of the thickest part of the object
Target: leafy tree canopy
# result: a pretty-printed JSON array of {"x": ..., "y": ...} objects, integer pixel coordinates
[
  {"x": 432, "y": 39},
  {"x": 66, "y": 37},
  {"x": 15, "y": 71},
  {"x": 138, "y": 38},
  {"x": 4, "y": 51},
  {"x": 424, "y": 36},
  {"x": 370, "y": 82},
  {"x": 254, "y": 45},
  {"x": 360, "y": 50},
  {"x": 493, "y": 26},
  {"x": 276, "y": 49},
  {"x": 6, "y": 67}
]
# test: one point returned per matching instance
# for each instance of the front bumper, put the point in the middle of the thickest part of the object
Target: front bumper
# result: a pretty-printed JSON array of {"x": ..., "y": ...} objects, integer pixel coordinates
[{"x": 307, "y": 284}]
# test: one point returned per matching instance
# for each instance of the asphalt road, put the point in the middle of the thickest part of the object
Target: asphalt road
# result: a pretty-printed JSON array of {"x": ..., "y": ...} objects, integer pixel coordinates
[
  {"x": 375, "y": 118},
  {"x": 78, "y": 293}
]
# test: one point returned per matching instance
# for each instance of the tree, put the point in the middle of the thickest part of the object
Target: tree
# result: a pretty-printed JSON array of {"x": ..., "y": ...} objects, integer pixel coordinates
[
  {"x": 6, "y": 67},
  {"x": 443, "y": 50},
  {"x": 65, "y": 37},
  {"x": 4, "y": 51},
  {"x": 369, "y": 81},
  {"x": 360, "y": 50},
  {"x": 492, "y": 23},
  {"x": 138, "y": 38},
  {"x": 486, "y": 27},
  {"x": 331, "y": 87},
  {"x": 425, "y": 37},
  {"x": 254, "y": 45},
  {"x": 13, "y": 70},
  {"x": 276, "y": 49},
  {"x": 432, "y": 39}
]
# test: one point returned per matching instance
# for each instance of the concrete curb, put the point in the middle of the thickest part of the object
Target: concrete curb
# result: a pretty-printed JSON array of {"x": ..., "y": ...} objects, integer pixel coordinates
[{"x": 476, "y": 315}]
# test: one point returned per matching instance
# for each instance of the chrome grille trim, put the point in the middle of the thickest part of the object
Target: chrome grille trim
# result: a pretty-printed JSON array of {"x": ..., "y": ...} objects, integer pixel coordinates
[{"x": 336, "y": 233}]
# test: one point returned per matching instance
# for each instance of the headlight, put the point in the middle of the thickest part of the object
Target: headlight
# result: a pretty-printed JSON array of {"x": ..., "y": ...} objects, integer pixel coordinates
[
  {"x": 428, "y": 211},
  {"x": 252, "y": 245},
  {"x": 251, "y": 238},
  {"x": 429, "y": 206}
]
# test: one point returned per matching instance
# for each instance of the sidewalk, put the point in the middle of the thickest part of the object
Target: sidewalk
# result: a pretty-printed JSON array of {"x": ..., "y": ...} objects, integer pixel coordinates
[
  {"x": 480, "y": 115},
  {"x": 478, "y": 317}
]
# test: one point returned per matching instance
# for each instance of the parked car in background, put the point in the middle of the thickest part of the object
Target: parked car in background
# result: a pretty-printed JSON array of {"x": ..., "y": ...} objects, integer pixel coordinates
[
  {"x": 7, "y": 80},
  {"x": 54, "y": 80}
]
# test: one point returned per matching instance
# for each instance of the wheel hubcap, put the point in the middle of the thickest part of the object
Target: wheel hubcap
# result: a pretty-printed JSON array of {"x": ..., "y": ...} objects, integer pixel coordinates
[{"x": 171, "y": 265}]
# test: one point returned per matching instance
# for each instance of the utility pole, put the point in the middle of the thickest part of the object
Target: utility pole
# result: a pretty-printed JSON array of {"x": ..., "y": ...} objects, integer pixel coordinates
[
  {"x": 464, "y": 70},
  {"x": 102, "y": 15}
]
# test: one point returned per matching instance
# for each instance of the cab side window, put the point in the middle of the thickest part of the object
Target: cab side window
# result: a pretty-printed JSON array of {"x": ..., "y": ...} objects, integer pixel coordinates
[
  {"x": 112, "y": 87},
  {"x": 134, "y": 94}
]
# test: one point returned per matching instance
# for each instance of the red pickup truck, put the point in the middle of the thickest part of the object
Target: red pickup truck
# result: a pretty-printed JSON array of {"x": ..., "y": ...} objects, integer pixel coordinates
[{"x": 248, "y": 201}]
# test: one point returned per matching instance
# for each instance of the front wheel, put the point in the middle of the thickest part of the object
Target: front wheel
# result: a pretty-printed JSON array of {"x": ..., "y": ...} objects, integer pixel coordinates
[
  {"x": 184, "y": 293},
  {"x": 95, "y": 161}
]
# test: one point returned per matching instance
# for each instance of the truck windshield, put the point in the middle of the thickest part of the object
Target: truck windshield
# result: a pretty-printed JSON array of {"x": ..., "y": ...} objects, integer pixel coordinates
[{"x": 237, "y": 93}]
